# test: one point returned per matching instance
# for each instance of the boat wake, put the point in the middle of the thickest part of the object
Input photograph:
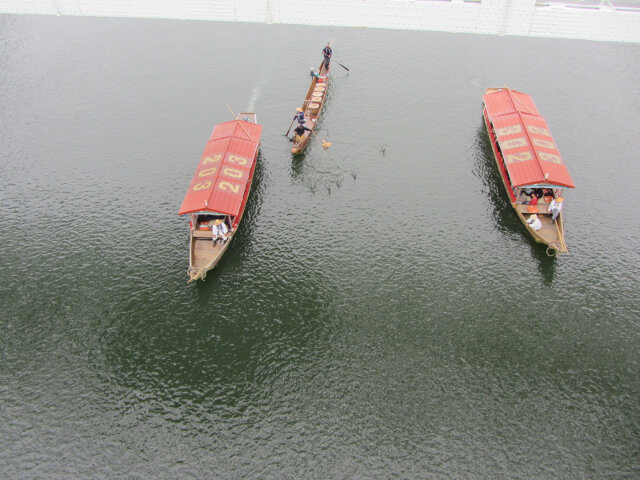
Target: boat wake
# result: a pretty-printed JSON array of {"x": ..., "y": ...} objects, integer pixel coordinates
[{"x": 255, "y": 95}]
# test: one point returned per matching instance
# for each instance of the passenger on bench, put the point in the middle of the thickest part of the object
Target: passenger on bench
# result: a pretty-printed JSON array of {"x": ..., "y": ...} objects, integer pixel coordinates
[
  {"x": 219, "y": 231},
  {"x": 524, "y": 198},
  {"x": 534, "y": 222}
]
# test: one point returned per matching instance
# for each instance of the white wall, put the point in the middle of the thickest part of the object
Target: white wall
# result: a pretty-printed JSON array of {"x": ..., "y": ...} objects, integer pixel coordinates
[{"x": 501, "y": 17}]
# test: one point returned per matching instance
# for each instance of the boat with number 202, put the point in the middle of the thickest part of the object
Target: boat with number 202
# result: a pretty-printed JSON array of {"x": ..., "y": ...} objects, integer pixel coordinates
[
  {"x": 529, "y": 162},
  {"x": 218, "y": 193}
]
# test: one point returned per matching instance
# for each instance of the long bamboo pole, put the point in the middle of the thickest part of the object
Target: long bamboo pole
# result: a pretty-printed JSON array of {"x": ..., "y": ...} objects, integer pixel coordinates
[{"x": 560, "y": 236}]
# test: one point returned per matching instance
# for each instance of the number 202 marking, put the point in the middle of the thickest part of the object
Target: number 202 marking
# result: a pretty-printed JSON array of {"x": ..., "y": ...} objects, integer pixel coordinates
[
  {"x": 513, "y": 143},
  {"x": 229, "y": 186},
  {"x": 550, "y": 157},
  {"x": 510, "y": 130},
  {"x": 517, "y": 157},
  {"x": 538, "y": 130},
  {"x": 539, "y": 142}
]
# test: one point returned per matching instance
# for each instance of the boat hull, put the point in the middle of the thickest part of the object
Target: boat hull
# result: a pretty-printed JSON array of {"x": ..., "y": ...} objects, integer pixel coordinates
[
  {"x": 204, "y": 255},
  {"x": 552, "y": 232},
  {"x": 312, "y": 107},
  {"x": 220, "y": 189}
]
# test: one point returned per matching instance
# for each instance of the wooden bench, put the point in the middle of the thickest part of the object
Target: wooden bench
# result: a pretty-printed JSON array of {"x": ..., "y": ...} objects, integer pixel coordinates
[
  {"x": 540, "y": 208},
  {"x": 202, "y": 234}
]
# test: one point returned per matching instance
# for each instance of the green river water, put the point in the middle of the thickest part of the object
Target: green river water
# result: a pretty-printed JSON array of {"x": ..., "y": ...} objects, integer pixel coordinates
[{"x": 381, "y": 312}]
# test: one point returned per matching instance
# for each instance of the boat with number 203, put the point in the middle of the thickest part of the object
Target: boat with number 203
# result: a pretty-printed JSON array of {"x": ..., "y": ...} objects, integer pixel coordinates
[
  {"x": 218, "y": 193},
  {"x": 531, "y": 167}
]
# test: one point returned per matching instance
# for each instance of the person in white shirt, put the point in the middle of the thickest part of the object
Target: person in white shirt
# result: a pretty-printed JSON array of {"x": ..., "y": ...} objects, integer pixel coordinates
[
  {"x": 219, "y": 231},
  {"x": 534, "y": 222},
  {"x": 555, "y": 207}
]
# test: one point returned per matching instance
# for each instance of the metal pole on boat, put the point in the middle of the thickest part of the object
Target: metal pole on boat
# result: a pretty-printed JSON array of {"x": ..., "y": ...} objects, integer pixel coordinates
[{"x": 241, "y": 126}]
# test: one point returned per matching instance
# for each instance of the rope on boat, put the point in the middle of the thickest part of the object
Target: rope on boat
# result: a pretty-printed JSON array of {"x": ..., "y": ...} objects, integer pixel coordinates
[
  {"x": 553, "y": 250},
  {"x": 201, "y": 274}
]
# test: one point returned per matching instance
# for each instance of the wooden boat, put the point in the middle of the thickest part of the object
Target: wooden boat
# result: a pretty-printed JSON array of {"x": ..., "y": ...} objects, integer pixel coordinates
[
  {"x": 219, "y": 190},
  {"x": 528, "y": 160},
  {"x": 312, "y": 106}
]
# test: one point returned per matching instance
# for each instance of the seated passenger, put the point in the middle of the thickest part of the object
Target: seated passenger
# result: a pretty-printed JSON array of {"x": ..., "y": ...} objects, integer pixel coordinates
[
  {"x": 534, "y": 200},
  {"x": 524, "y": 197},
  {"x": 534, "y": 222},
  {"x": 219, "y": 232}
]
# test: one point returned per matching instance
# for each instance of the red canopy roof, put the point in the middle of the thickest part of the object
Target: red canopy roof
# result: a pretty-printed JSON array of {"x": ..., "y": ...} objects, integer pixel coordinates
[
  {"x": 223, "y": 174},
  {"x": 529, "y": 151}
]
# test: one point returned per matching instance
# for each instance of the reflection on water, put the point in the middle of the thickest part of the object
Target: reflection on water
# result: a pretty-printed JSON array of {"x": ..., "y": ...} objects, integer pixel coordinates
[{"x": 502, "y": 213}]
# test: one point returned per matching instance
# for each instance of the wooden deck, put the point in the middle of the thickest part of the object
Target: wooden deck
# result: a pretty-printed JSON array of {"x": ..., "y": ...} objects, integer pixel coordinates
[
  {"x": 205, "y": 255},
  {"x": 551, "y": 233}
]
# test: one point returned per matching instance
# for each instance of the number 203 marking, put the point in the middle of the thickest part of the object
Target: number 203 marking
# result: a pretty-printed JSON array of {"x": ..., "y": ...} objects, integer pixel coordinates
[
  {"x": 229, "y": 186},
  {"x": 237, "y": 159},
  {"x": 201, "y": 186}
]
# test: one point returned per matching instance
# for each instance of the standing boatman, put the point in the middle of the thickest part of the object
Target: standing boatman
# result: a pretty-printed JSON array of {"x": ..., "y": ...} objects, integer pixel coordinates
[
  {"x": 327, "y": 52},
  {"x": 299, "y": 116}
]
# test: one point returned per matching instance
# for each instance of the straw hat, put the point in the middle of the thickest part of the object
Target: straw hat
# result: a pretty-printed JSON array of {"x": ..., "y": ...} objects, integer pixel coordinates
[
  {"x": 559, "y": 199},
  {"x": 298, "y": 109},
  {"x": 218, "y": 221},
  {"x": 534, "y": 217}
]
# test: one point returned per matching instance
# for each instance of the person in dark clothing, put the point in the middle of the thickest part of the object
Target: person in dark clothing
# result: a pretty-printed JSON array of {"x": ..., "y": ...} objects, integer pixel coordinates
[
  {"x": 299, "y": 132},
  {"x": 327, "y": 52}
]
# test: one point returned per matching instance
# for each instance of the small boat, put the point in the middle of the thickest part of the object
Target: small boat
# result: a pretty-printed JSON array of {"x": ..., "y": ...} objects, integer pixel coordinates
[
  {"x": 217, "y": 195},
  {"x": 529, "y": 162},
  {"x": 312, "y": 106}
]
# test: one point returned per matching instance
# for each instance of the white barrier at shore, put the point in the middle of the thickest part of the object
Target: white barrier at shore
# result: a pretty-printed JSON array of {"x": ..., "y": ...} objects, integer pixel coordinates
[{"x": 601, "y": 21}]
